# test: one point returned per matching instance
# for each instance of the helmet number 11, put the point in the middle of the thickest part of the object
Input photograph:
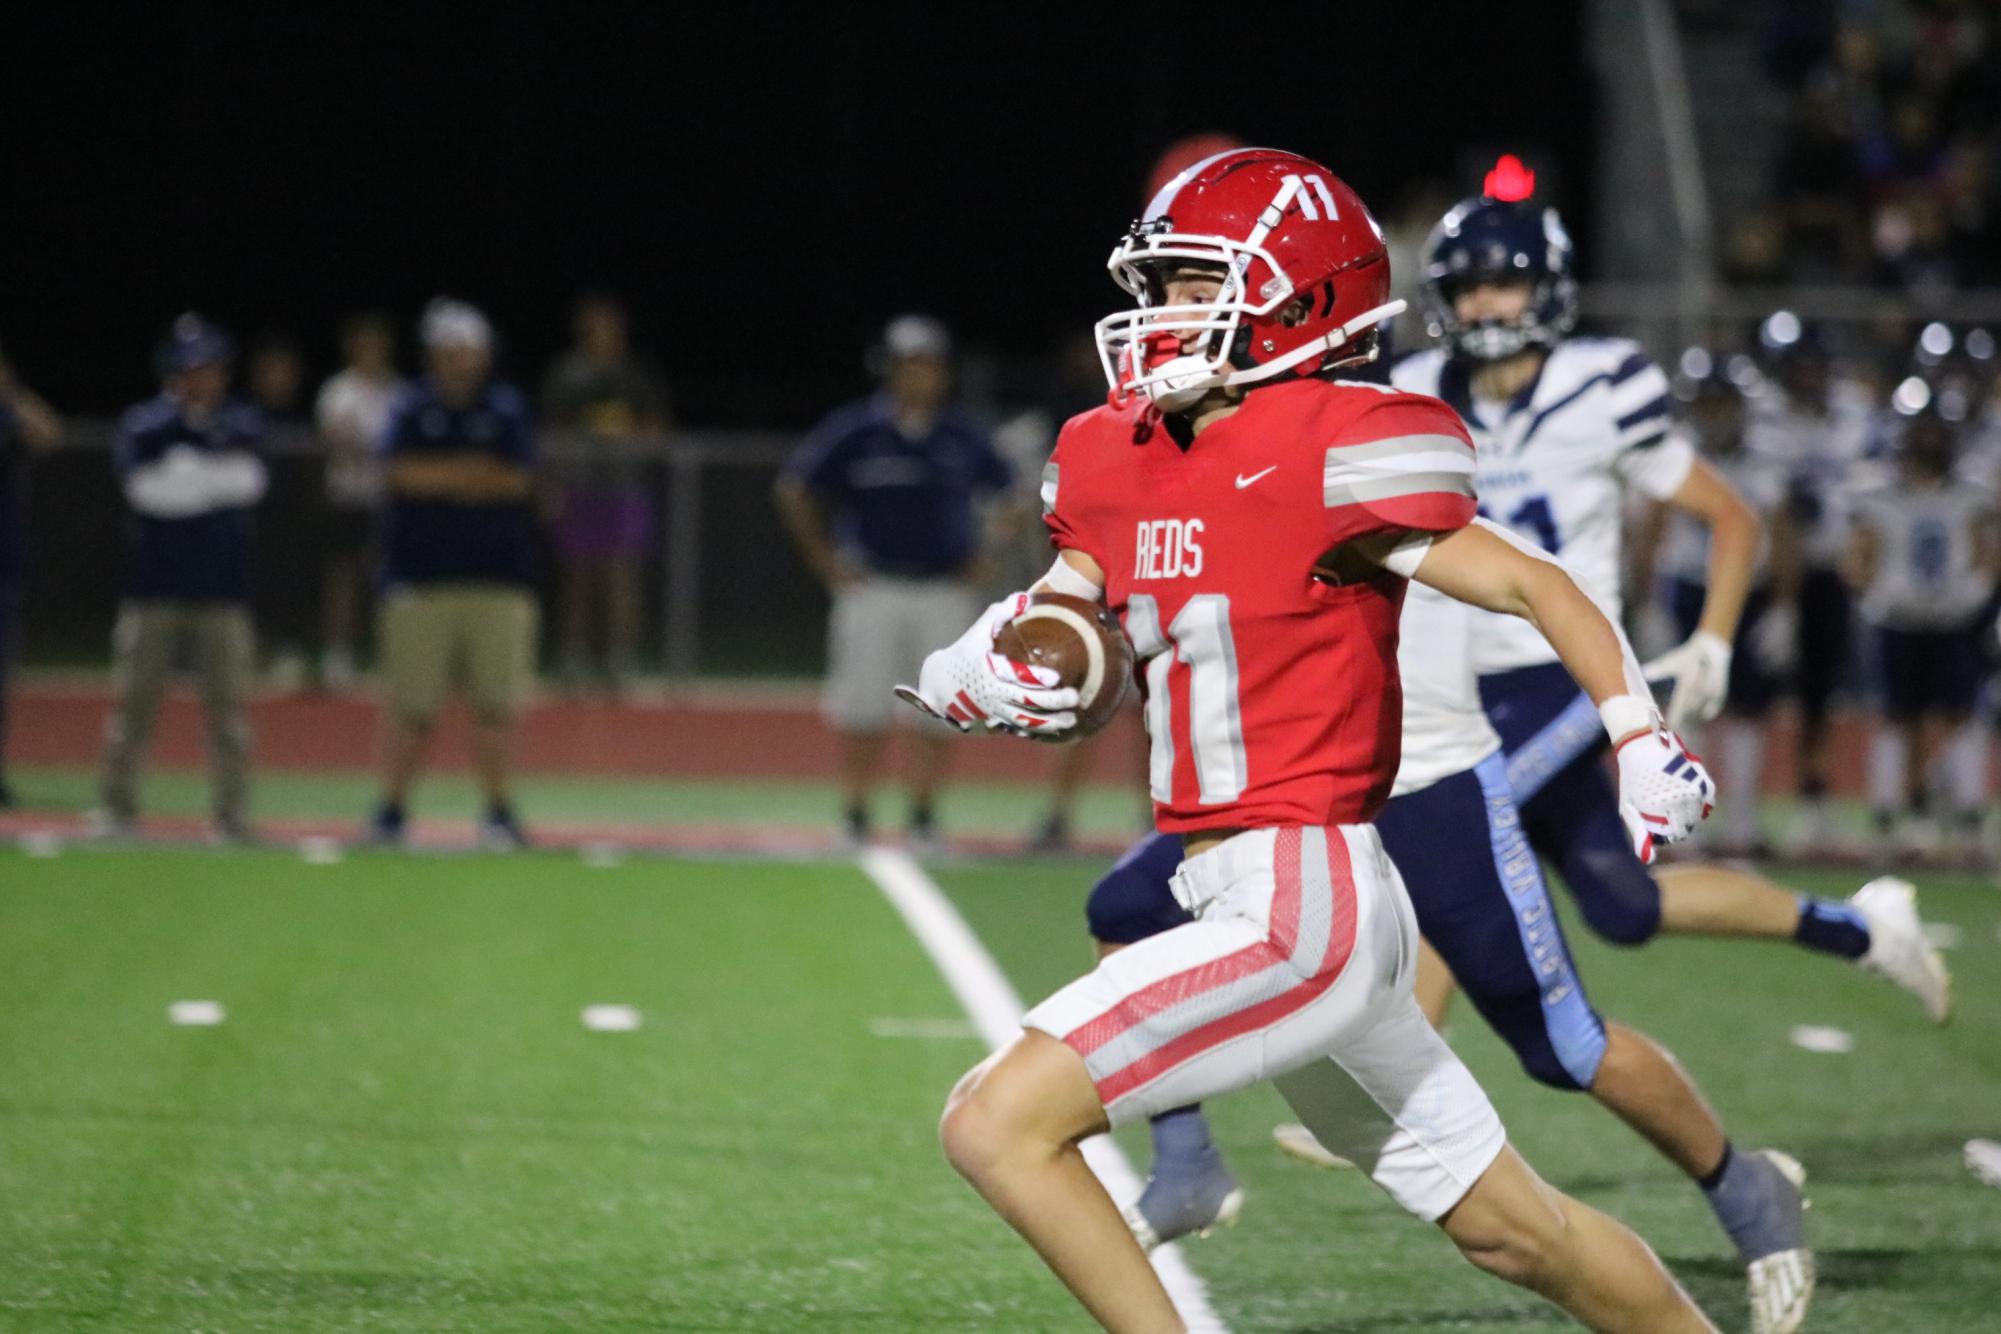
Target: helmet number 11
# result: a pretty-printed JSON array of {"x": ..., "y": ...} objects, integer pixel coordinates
[{"x": 1199, "y": 639}]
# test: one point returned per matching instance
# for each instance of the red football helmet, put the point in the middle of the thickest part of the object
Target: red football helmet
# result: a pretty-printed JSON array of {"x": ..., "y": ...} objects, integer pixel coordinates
[{"x": 1282, "y": 228}]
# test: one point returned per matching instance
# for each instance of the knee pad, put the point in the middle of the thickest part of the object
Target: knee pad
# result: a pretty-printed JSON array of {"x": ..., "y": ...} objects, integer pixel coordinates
[
  {"x": 1130, "y": 903},
  {"x": 1568, "y": 1063},
  {"x": 1616, "y": 894}
]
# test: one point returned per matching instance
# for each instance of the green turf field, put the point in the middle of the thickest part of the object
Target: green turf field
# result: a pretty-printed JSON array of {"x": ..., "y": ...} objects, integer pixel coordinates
[{"x": 402, "y": 1123}]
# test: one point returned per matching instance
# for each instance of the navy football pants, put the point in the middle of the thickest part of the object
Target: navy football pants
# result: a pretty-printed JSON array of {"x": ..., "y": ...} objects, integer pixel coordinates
[{"x": 1555, "y": 743}]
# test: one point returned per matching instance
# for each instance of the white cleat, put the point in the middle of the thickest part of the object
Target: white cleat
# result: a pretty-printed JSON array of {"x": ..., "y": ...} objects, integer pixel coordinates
[
  {"x": 1296, "y": 1141},
  {"x": 1898, "y": 947},
  {"x": 1781, "y": 1284}
]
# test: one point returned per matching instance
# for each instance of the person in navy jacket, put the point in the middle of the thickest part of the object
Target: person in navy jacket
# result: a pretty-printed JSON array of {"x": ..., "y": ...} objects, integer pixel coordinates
[{"x": 191, "y": 477}]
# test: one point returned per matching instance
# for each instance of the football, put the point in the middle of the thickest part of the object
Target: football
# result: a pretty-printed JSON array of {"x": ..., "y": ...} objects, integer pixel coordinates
[{"x": 1081, "y": 641}]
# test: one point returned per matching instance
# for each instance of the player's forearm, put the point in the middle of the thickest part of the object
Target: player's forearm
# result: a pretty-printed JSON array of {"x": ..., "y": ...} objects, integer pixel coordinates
[
  {"x": 1733, "y": 555},
  {"x": 806, "y": 524},
  {"x": 40, "y": 428},
  {"x": 1587, "y": 640},
  {"x": 471, "y": 477},
  {"x": 1489, "y": 567}
]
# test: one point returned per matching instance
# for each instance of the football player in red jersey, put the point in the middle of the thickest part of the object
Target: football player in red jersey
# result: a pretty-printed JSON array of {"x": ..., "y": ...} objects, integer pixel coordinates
[{"x": 1253, "y": 523}]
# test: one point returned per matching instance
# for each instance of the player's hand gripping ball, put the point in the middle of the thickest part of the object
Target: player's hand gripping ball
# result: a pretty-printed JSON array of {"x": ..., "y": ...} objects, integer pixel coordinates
[
  {"x": 1042, "y": 665},
  {"x": 1081, "y": 642}
]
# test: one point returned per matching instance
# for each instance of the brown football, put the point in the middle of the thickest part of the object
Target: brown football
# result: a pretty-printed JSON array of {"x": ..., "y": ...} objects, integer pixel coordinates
[{"x": 1081, "y": 641}]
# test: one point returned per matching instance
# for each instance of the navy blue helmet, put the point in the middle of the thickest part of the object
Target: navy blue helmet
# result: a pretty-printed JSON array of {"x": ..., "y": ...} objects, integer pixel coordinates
[
  {"x": 1489, "y": 239},
  {"x": 192, "y": 341}
]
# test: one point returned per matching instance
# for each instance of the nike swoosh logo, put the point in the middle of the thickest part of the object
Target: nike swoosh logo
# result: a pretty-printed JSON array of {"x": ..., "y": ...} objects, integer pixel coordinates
[{"x": 1243, "y": 481}]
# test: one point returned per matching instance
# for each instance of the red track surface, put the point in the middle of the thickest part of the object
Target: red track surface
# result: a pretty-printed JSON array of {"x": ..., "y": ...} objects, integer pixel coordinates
[
  {"x": 704, "y": 735},
  {"x": 604, "y": 843}
]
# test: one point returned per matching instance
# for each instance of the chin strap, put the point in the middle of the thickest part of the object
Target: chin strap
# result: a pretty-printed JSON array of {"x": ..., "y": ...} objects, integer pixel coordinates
[
  {"x": 1279, "y": 365},
  {"x": 1172, "y": 397}
]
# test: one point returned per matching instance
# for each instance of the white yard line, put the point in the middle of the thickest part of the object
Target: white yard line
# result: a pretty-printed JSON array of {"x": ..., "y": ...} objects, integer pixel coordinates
[{"x": 991, "y": 1003}]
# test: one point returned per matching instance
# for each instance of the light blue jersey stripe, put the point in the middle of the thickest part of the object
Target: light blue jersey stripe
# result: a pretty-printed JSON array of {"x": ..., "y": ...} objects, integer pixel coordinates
[
  {"x": 1575, "y": 1033},
  {"x": 1550, "y": 751}
]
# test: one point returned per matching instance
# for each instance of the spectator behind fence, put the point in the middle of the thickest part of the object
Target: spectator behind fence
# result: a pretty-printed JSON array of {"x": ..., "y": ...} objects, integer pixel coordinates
[
  {"x": 352, "y": 412},
  {"x": 273, "y": 379},
  {"x": 458, "y": 565},
  {"x": 189, "y": 470},
  {"x": 879, "y": 499},
  {"x": 611, "y": 401},
  {"x": 28, "y": 426}
]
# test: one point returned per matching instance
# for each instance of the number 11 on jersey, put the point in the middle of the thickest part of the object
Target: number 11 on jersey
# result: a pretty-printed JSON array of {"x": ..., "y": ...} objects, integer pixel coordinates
[{"x": 1200, "y": 639}]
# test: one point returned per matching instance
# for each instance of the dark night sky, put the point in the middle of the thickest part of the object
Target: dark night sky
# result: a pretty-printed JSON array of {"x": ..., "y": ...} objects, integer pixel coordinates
[{"x": 764, "y": 190}]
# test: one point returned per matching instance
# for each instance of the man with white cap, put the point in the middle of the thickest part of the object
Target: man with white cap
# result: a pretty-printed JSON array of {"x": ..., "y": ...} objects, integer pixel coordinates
[
  {"x": 458, "y": 555},
  {"x": 880, "y": 500}
]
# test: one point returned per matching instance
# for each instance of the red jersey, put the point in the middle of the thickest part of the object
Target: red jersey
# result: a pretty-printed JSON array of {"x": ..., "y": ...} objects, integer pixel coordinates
[{"x": 1271, "y": 696}]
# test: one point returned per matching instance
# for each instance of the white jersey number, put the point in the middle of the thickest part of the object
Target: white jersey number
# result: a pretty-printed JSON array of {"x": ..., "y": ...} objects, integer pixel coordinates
[{"x": 1200, "y": 638}]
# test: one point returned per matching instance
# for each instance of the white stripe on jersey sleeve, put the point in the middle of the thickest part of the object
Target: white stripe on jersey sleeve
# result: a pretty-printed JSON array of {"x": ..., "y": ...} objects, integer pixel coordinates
[
  {"x": 1049, "y": 488},
  {"x": 1637, "y": 390},
  {"x": 1399, "y": 465}
]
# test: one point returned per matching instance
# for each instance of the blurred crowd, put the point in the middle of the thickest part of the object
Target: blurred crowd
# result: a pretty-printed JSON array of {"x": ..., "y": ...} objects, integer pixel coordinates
[
  {"x": 1879, "y": 582},
  {"x": 443, "y": 495},
  {"x": 1889, "y": 170}
]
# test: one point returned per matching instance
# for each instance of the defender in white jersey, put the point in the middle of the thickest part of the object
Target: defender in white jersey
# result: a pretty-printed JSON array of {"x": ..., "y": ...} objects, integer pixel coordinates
[
  {"x": 1924, "y": 557},
  {"x": 1562, "y": 426},
  {"x": 1818, "y": 424}
]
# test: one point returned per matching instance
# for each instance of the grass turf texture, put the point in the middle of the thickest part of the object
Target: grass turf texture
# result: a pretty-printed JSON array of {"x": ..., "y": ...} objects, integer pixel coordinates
[{"x": 404, "y": 1126}]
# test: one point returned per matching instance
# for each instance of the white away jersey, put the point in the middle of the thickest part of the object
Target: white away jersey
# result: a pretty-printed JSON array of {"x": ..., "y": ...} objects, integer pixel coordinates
[
  {"x": 1553, "y": 466},
  {"x": 1445, "y": 731},
  {"x": 1822, "y": 455},
  {"x": 1927, "y": 575}
]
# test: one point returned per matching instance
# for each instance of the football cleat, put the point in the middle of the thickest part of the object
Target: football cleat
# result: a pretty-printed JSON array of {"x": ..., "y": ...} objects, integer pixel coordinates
[
  {"x": 1781, "y": 1284},
  {"x": 1898, "y": 948},
  {"x": 1296, "y": 1141},
  {"x": 1178, "y": 1206}
]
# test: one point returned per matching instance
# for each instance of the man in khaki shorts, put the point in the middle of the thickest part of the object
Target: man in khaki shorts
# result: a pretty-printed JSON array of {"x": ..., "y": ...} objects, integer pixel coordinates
[
  {"x": 458, "y": 557},
  {"x": 880, "y": 499},
  {"x": 190, "y": 475}
]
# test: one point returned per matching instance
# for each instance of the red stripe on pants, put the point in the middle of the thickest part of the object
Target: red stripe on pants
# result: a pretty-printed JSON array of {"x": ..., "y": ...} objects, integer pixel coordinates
[{"x": 1276, "y": 948}]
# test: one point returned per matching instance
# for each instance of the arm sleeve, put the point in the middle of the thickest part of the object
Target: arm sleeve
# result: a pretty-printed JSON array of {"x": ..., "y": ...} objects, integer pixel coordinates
[
  {"x": 1659, "y": 467},
  {"x": 1639, "y": 401},
  {"x": 1055, "y": 514},
  {"x": 820, "y": 460},
  {"x": 1406, "y": 462}
]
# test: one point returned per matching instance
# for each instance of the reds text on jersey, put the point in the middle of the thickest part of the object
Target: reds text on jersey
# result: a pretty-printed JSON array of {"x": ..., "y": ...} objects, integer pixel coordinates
[{"x": 1271, "y": 695}]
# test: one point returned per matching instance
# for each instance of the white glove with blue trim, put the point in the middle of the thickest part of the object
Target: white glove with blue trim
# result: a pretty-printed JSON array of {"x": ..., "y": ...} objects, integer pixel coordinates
[{"x": 1664, "y": 792}]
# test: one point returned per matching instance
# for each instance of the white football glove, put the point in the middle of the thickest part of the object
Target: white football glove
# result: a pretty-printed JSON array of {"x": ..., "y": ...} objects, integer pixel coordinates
[
  {"x": 968, "y": 684},
  {"x": 1700, "y": 669},
  {"x": 1775, "y": 638},
  {"x": 1664, "y": 792}
]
